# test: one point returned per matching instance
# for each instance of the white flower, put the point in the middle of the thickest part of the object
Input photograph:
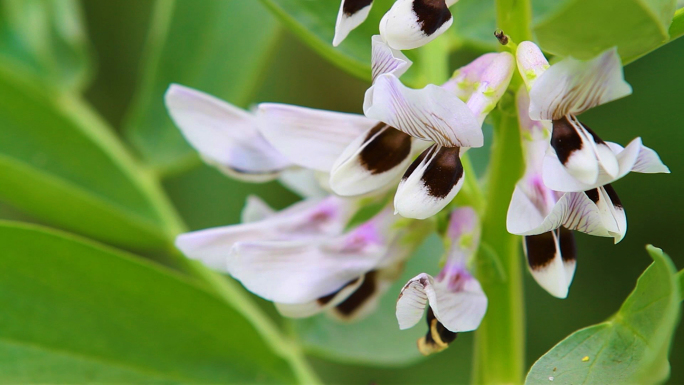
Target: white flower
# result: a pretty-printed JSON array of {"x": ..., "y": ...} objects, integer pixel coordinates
[
  {"x": 456, "y": 300},
  {"x": 408, "y": 24}
]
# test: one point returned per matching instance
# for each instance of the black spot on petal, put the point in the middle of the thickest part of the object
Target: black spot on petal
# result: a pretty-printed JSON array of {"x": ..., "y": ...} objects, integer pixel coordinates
[
  {"x": 567, "y": 245},
  {"x": 613, "y": 196},
  {"x": 325, "y": 300},
  {"x": 443, "y": 172},
  {"x": 593, "y": 194},
  {"x": 437, "y": 337},
  {"x": 432, "y": 14},
  {"x": 565, "y": 139},
  {"x": 385, "y": 148},
  {"x": 540, "y": 250},
  {"x": 350, "y": 7},
  {"x": 418, "y": 161},
  {"x": 359, "y": 297}
]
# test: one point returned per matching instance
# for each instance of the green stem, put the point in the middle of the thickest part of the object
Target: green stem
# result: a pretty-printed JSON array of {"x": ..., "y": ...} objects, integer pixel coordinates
[
  {"x": 499, "y": 341},
  {"x": 514, "y": 18}
]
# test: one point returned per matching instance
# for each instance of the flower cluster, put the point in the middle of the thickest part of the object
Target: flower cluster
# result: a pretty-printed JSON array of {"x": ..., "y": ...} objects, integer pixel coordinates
[{"x": 310, "y": 259}]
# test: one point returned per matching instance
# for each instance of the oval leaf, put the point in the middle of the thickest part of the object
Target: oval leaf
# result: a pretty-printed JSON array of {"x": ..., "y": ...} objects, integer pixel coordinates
[
  {"x": 631, "y": 347},
  {"x": 568, "y": 27},
  {"x": 74, "y": 312},
  {"x": 376, "y": 339},
  {"x": 47, "y": 39},
  {"x": 62, "y": 165},
  {"x": 219, "y": 47}
]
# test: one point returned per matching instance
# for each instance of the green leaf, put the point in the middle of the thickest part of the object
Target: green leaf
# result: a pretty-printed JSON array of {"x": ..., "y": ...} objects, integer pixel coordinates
[
  {"x": 61, "y": 164},
  {"x": 475, "y": 23},
  {"x": 219, "y": 47},
  {"x": 568, "y": 27},
  {"x": 376, "y": 339},
  {"x": 47, "y": 39},
  {"x": 75, "y": 312},
  {"x": 631, "y": 347}
]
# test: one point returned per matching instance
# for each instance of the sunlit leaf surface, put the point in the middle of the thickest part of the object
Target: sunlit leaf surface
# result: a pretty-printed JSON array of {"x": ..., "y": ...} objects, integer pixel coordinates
[{"x": 631, "y": 347}]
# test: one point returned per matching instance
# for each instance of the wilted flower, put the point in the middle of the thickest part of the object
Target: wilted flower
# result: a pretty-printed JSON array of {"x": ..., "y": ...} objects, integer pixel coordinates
[
  {"x": 456, "y": 300},
  {"x": 408, "y": 24}
]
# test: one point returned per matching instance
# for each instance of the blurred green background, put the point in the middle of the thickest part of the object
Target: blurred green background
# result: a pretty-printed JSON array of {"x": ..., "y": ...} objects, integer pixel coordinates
[{"x": 606, "y": 273}]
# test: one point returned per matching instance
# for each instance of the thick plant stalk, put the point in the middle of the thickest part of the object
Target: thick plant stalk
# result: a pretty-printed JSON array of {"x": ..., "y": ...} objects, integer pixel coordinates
[{"x": 500, "y": 340}]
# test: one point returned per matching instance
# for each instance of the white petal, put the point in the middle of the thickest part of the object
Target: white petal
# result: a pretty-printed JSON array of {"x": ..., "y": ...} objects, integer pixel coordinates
[
  {"x": 386, "y": 60},
  {"x": 551, "y": 260},
  {"x": 375, "y": 159},
  {"x": 310, "y": 219},
  {"x": 610, "y": 210},
  {"x": 255, "y": 210},
  {"x": 635, "y": 157},
  {"x": 308, "y": 137},
  {"x": 458, "y": 310},
  {"x": 223, "y": 134},
  {"x": 297, "y": 272},
  {"x": 305, "y": 183},
  {"x": 430, "y": 183},
  {"x": 351, "y": 14},
  {"x": 430, "y": 113},
  {"x": 410, "y": 24},
  {"x": 572, "y": 86},
  {"x": 531, "y": 62},
  {"x": 308, "y": 309}
]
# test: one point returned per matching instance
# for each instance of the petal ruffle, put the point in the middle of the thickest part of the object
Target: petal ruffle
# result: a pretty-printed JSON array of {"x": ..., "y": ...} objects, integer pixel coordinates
[
  {"x": 386, "y": 60},
  {"x": 430, "y": 183},
  {"x": 309, "y": 137},
  {"x": 551, "y": 259},
  {"x": 572, "y": 86},
  {"x": 351, "y": 14},
  {"x": 410, "y": 24},
  {"x": 430, "y": 113},
  {"x": 372, "y": 161},
  {"x": 224, "y": 135},
  {"x": 458, "y": 310}
]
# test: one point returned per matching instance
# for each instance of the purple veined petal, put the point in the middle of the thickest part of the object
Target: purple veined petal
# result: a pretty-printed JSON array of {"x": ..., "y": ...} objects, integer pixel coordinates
[
  {"x": 297, "y": 272},
  {"x": 386, "y": 60},
  {"x": 430, "y": 113},
  {"x": 410, "y": 24},
  {"x": 309, "y": 219},
  {"x": 466, "y": 79},
  {"x": 224, "y": 135},
  {"x": 581, "y": 152},
  {"x": 635, "y": 157},
  {"x": 531, "y": 62},
  {"x": 430, "y": 183},
  {"x": 551, "y": 258},
  {"x": 374, "y": 160},
  {"x": 256, "y": 210},
  {"x": 493, "y": 83},
  {"x": 351, "y": 14},
  {"x": 572, "y": 86},
  {"x": 308, "y": 137},
  {"x": 531, "y": 130},
  {"x": 458, "y": 308}
]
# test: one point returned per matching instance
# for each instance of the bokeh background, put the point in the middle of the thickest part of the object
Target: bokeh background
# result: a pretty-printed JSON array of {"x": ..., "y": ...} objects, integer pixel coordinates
[{"x": 606, "y": 273}]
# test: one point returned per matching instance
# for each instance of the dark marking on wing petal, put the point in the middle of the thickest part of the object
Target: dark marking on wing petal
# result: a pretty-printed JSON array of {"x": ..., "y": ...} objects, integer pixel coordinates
[
  {"x": 437, "y": 337},
  {"x": 593, "y": 194},
  {"x": 431, "y": 14},
  {"x": 418, "y": 161},
  {"x": 386, "y": 148},
  {"x": 540, "y": 250},
  {"x": 350, "y": 7},
  {"x": 566, "y": 239},
  {"x": 613, "y": 196},
  {"x": 359, "y": 297},
  {"x": 597, "y": 139},
  {"x": 443, "y": 172},
  {"x": 325, "y": 300},
  {"x": 565, "y": 139}
]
